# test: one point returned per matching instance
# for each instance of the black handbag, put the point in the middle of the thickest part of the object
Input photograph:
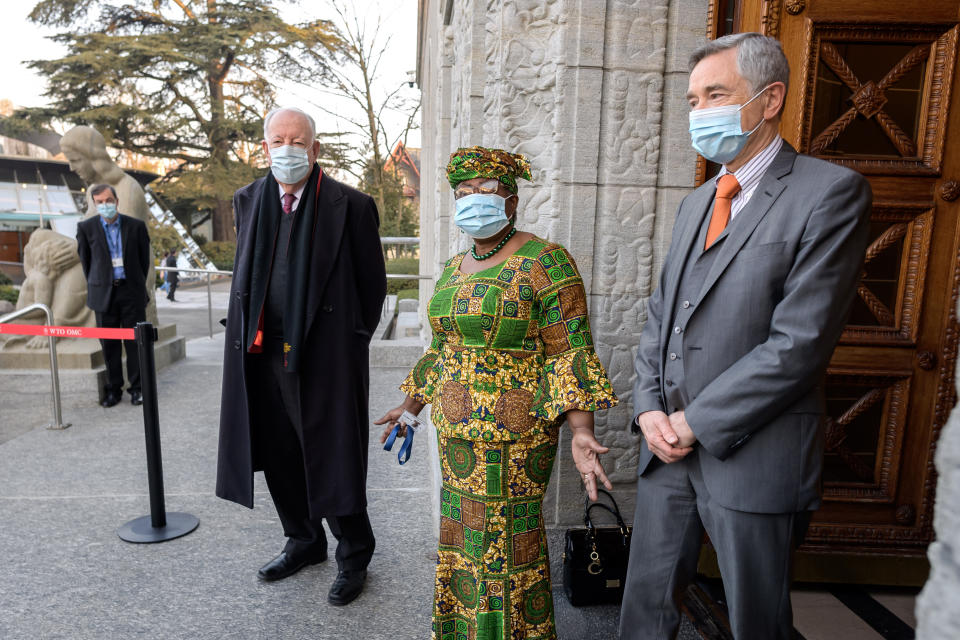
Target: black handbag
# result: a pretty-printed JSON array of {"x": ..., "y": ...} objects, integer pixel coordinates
[{"x": 595, "y": 558}]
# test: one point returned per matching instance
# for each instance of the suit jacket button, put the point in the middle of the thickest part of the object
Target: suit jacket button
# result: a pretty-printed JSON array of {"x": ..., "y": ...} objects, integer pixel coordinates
[
  {"x": 236, "y": 344},
  {"x": 328, "y": 308},
  {"x": 237, "y": 295}
]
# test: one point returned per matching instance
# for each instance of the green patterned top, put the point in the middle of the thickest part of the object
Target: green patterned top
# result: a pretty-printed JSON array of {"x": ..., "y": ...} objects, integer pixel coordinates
[{"x": 512, "y": 349}]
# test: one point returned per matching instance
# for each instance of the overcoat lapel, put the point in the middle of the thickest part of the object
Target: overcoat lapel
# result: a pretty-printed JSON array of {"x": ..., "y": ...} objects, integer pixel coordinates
[
  {"x": 251, "y": 208},
  {"x": 327, "y": 234},
  {"x": 741, "y": 229}
]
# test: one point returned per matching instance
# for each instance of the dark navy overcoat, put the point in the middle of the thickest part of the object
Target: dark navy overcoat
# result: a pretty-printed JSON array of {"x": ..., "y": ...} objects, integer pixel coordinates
[{"x": 345, "y": 296}]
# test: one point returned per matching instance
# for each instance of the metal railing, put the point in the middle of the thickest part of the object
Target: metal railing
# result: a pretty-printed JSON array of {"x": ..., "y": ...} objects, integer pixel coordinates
[
  {"x": 217, "y": 272},
  {"x": 54, "y": 370},
  {"x": 208, "y": 272}
]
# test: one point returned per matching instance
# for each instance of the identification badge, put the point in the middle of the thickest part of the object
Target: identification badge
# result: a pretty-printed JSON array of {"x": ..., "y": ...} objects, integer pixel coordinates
[
  {"x": 117, "y": 262},
  {"x": 412, "y": 423}
]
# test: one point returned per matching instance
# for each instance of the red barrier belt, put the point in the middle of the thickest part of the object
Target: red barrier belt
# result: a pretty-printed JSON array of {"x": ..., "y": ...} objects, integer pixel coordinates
[{"x": 67, "y": 332}]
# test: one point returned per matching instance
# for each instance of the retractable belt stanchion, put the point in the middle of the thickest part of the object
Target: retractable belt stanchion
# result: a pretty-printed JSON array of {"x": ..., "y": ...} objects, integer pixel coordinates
[{"x": 159, "y": 526}]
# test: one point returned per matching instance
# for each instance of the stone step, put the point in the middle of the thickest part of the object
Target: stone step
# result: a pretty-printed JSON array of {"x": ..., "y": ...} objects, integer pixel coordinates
[{"x": 395, "y": 353}]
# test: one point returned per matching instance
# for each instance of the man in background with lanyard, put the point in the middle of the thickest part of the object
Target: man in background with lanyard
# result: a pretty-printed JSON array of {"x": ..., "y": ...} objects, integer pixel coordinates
[{"x": 115, "y": 254}]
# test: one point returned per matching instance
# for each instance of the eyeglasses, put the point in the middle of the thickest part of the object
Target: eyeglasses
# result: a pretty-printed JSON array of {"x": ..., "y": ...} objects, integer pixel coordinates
[{"x": 487, "y": 186}]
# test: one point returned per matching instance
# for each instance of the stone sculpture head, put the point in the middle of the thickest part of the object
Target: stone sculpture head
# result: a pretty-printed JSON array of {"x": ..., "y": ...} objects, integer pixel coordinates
[{"x": 86, "y": 151}]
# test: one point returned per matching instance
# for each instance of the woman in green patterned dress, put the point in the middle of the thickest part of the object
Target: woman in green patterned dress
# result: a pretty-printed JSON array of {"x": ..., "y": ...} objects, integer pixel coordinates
[{"x": 511, "y": 358}]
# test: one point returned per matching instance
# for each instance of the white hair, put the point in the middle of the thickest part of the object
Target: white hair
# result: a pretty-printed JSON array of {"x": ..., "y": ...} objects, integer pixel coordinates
[{"x": 273, "y": 112}]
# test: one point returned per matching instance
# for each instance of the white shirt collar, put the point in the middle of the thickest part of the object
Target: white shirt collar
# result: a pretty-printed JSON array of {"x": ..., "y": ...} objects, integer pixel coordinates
[{"x": 296, "y": 194}]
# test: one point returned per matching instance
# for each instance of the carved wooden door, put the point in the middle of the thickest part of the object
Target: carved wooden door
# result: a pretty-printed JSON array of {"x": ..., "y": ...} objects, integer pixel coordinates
[{"x": 872, "y": 87}]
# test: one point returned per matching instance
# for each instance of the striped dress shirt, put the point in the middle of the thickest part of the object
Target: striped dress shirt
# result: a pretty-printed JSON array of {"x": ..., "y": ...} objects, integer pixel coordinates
[{"x": 749, "y": 175}]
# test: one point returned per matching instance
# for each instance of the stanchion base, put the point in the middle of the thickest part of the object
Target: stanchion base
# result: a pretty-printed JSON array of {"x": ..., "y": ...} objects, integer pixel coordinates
[
  {"x": 57, "y": 427},
  {"x": 140, "y": 530}
]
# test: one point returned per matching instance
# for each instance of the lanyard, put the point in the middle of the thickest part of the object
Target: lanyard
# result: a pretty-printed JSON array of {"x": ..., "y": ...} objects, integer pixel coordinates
[
  {"x": 113, "y": 240},
  {"x": 412, "y": 424}
]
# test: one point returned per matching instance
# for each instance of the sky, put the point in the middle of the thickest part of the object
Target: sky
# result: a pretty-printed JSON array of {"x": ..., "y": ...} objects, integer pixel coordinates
[{"x": 22, "y": 40}]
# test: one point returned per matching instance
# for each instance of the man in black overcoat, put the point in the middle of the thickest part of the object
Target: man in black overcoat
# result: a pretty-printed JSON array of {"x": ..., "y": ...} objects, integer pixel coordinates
[
  {"x": 308, "y": 288},
  {"x": 115, "y": 255}
]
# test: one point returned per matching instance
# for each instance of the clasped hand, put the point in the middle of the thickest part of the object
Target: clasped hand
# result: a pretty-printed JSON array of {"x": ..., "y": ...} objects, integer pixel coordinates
[{"x": 668, "y": 437}]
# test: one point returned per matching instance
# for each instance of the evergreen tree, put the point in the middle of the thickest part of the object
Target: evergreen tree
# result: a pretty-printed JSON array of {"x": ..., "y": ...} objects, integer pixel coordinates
[{"x": 188, "y": 80}]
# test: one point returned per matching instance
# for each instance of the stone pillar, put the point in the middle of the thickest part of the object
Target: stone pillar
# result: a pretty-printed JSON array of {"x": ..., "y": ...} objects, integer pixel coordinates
[
  {"x": 591, "y": 91},
  {"x": 937, "y": 613}
]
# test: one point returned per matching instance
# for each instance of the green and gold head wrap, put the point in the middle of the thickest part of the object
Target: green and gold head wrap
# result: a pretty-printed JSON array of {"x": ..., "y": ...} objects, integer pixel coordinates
[{"x": 481, "y": 162}]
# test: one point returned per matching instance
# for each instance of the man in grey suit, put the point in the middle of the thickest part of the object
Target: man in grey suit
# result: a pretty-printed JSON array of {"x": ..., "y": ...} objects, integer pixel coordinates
[{"x": 752, "y": 298}]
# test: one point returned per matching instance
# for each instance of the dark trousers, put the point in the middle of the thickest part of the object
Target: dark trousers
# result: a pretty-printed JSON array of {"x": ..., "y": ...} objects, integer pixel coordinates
[
  {"x": 126, "y": 310},
  {"x": 172, "y": 288},
  {"x": 754, "y": 551},
  {"x": 276, "y": 409}
]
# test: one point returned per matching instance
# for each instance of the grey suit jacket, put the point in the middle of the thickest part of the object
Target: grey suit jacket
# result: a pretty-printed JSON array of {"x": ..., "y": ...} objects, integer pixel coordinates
[{"x": 763, "y": 328}]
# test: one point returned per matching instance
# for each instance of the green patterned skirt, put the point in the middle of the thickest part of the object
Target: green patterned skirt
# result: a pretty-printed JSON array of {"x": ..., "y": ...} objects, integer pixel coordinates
[{"x": 493, "y": 573}]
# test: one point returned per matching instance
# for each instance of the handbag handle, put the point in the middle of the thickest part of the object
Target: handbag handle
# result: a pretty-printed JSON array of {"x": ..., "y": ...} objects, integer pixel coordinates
[
  {"x": 615, "y": 510},
  {"x": 616, "y": 514}
]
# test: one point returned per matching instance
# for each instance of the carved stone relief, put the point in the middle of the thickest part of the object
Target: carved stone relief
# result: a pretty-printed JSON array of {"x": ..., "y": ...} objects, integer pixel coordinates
[
  {"x": 630, "y": 128},
  {"x": 523, "y": 50}
]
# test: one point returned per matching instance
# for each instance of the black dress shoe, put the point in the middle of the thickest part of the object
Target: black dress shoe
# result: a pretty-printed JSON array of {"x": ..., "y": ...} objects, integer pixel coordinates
[
  {"x": 288, "y": 563},
  {"x": 111, "y": 399},
  {"x": 347, "y": 586},
  {"x": 136, "y": 398}
]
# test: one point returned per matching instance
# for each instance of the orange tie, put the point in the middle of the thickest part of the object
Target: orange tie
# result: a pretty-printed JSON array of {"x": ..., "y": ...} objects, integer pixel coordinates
[{"x": 727, "y": 187}]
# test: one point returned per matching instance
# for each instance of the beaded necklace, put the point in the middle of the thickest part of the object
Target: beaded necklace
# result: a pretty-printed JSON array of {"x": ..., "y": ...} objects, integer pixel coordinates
[{"x": 492, "y": 252}]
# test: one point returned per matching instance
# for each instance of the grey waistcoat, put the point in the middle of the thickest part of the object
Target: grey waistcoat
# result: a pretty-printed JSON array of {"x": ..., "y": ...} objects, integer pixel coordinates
[{"x": 694, "y": 273}]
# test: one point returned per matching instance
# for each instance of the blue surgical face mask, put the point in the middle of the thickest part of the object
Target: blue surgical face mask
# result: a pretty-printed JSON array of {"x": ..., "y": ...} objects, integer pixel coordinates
[
  {"x": 481, "y": 215},
  {"x": 716, "y": 133},
  {"x": 289, "y": 164},
  {"x": 108, "y": 210}
]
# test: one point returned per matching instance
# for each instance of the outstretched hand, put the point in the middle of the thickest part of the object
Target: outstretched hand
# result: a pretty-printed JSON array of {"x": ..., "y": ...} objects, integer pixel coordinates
[{"x": 586, "y": 456}]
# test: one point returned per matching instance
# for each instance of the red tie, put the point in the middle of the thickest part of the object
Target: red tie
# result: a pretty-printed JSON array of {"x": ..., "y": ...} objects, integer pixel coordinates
[
  {"x": 288, "y": 199},
  {"x": 727, "y": 187}
]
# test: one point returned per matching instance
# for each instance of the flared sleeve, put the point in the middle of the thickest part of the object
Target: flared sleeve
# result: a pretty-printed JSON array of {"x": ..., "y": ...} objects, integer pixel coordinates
[
  {"x": 422, "y": 379},
  {"x": 572, "y": 375}
]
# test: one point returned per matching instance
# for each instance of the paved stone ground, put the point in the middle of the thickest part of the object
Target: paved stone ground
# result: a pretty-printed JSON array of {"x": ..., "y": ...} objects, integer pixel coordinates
[{"x": 67, "y": 575}]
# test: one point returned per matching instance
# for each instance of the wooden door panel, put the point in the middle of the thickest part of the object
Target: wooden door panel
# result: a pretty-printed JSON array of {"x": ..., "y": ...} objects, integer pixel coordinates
[
  {"x": 890, "y": 291},
  {"x": 872, "y": 88},
  {"x": 876, "y": 99}
]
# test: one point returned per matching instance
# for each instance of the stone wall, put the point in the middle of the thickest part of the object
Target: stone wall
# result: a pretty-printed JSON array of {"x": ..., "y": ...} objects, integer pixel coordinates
[
  {"x": 938, "y": 615},
  {"x": 591, "y": 91}
]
